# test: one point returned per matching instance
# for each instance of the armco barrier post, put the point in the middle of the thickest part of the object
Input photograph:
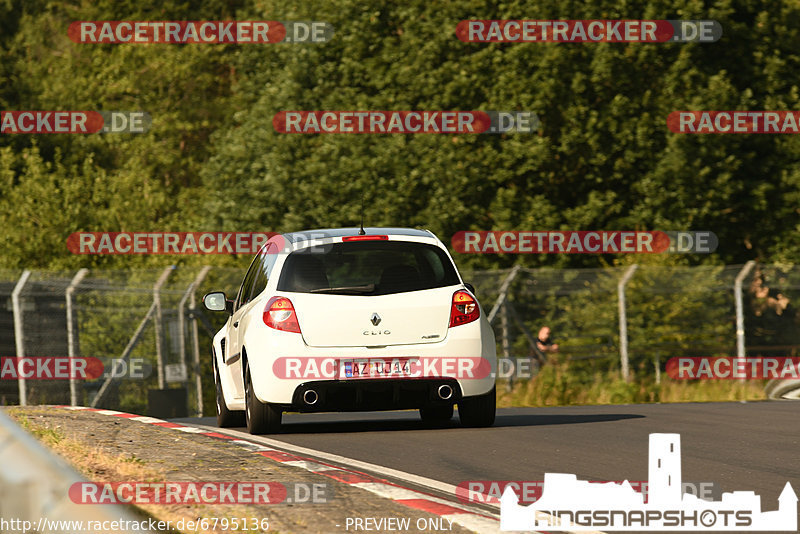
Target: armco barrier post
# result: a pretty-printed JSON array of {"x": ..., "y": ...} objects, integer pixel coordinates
[
  {"x": 657, "y": 365},
  {"x": 196, "y": 343},
  {"x": 159, "y": 324},
  {"x": 623, "y": 322},
  {"x": 190, "y": 295},
  {"x": 506, "y": 342},
  {"x": 19, "y": 335},
  {"x": 71, "y": 352},
  {"x": 737, "y": 291},
  {"x": 182, "y": 326}
]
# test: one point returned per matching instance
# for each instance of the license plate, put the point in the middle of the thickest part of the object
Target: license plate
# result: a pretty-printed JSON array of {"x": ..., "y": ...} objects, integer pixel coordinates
[{"x": 377, "y": 367}]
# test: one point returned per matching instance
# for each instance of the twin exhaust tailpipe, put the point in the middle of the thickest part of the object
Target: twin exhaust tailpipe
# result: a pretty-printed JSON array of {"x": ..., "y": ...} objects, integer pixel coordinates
[{"x": 310, "y": 397}]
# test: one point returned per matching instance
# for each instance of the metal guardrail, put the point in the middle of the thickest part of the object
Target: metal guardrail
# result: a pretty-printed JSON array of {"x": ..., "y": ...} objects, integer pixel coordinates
[
  {"x": 783, "y": 389},
  {"x": 35, "y": 484}
]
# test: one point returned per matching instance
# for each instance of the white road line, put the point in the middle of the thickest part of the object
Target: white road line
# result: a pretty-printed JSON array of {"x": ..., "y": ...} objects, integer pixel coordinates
[
  {"x": 145, "y": 419},
  {"x": 191, "y": 429},
  {"x": 249, "y": 445},
  {"x": 308, "y": 466},
  {"x": 385, "y": 490}
]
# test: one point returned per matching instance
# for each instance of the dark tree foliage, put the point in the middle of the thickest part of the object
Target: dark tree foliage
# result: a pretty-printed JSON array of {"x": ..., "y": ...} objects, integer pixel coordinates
[{"x": 603, "y": 158}]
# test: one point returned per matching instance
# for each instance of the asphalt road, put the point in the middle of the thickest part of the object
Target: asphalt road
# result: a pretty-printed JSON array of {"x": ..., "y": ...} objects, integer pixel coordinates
[{"x": 737, "y": 446}]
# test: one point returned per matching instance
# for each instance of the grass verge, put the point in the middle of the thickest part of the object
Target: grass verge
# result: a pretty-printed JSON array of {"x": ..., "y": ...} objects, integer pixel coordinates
[{"x": 564, "y": 384}]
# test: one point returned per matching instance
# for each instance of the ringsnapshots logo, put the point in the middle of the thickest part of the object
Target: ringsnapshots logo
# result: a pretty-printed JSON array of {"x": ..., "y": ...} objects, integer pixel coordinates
[
  {"x": 570, "y": 504},
  {"x": 199, "y": 32},
  {"x": 405, "y": 122},
  {"x": 588, "y": 31},
  {"x": 74, "y": 122},
  {"x": 584, "y": 242},
  {"x": 734, "y": 122}
]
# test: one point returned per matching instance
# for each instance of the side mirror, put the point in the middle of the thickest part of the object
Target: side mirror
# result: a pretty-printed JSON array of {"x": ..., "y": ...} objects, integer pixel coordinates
[
  {"x": 217, "y": 301},
  {"x": 470, "y": 287}
]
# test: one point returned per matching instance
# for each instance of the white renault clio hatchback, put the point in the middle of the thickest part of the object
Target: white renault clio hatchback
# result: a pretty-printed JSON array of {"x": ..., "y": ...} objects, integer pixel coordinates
[{"x": 353, "y": 320}]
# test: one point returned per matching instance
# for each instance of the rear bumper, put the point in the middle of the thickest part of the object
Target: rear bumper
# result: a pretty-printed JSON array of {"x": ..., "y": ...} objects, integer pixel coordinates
[
  {"x": 368, "y": 394},
  {"x": 266, "y": 347}
]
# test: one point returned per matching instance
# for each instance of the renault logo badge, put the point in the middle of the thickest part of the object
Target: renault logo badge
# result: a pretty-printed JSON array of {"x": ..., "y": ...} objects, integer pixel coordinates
[{"x": 375, "y": 319}]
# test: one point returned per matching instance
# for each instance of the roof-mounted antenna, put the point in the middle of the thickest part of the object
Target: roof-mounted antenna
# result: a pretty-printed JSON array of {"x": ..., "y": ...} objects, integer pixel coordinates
[{"x": 361, "y": 230}]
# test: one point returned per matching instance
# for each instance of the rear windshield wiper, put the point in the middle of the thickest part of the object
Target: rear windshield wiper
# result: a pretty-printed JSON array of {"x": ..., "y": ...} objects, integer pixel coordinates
[{"x": 357, "y": 290}]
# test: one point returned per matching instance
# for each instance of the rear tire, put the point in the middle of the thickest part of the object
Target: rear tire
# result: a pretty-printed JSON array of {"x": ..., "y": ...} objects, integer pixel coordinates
[
  {"x": 478, "y": 411},
  {"x": 261, "y": 417},
  {"x": 436, "y": 414},
  {"x": 226, "y": 418}
]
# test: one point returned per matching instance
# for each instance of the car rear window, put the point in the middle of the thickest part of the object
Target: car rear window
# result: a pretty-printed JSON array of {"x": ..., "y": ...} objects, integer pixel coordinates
[{"x": 367, "y": 268}]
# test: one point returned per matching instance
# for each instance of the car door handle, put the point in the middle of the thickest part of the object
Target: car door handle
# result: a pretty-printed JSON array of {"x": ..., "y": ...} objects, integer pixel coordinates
[{"x": 236, "y": 324}]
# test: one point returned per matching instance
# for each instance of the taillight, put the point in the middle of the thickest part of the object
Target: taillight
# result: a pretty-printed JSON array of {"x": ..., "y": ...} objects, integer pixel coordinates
[
  {"x": 279, "y": 314},
  {"x": 465, "y": 309}
]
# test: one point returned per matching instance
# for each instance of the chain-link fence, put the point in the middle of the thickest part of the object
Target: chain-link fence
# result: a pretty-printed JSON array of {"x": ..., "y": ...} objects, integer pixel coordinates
[
  {"x": 146, "y": 338},
  {"x": 141, "y": 336},
  {"x": 635, "y": 318}
]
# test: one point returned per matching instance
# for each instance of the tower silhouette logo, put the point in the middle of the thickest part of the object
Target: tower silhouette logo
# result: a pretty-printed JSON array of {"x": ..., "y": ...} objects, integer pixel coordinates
[{"x": 578, "y": 505}]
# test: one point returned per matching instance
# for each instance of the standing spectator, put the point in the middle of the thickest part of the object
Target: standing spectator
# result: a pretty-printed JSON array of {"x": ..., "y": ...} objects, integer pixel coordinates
[{"x": 544, "y": 342}]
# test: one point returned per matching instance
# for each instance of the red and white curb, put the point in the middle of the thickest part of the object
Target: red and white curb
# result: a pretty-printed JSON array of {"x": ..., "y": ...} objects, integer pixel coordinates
[{"x": 412, "y": 498}]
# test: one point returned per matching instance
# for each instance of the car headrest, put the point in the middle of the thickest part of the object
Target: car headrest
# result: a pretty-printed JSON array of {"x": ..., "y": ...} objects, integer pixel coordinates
[
  {"x": 307, "y": 273},
  {"x": 399, "y": 277}
]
